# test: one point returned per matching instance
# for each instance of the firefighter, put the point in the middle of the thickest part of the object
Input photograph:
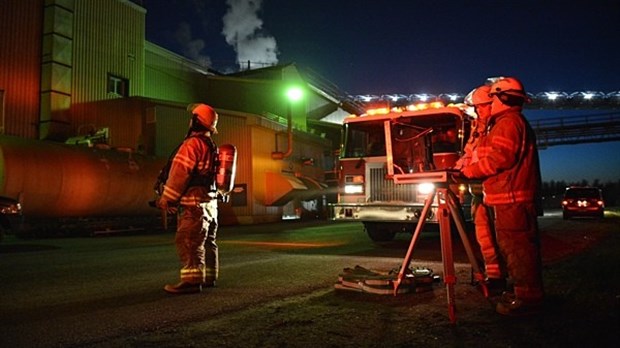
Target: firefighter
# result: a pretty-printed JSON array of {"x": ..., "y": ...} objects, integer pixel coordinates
[
  {"x": 509, "y": 167},
  {"x": 480, "y": 100},
  {"x": 190, "y": 191}
]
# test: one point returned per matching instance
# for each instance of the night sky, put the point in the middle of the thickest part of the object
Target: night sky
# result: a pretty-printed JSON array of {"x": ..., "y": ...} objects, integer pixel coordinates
[{"x": 415, "y": 46}]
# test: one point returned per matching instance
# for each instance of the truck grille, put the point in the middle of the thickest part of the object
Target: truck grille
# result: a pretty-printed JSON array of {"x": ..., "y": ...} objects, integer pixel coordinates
[{"x": 384, "y": 190}]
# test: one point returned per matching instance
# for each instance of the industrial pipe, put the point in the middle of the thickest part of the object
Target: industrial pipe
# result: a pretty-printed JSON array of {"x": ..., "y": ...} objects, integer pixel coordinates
[{"x": 278, "y": 155}]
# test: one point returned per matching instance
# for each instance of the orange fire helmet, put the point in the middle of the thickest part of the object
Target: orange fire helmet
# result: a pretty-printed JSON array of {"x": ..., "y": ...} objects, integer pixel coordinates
[{"x": 205, "y": 115}]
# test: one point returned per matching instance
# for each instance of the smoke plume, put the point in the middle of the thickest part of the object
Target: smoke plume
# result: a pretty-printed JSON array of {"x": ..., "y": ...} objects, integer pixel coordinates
[
  {"x": 191, "y": 47},
  {"x": 243, "y": 31}
]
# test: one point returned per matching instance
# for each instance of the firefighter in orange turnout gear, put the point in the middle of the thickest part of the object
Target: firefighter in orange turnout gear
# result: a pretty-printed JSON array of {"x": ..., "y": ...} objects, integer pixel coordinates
[
  {"x": 509, "y": 167},
  {"x": 191, "y": 187},
  {"x": 480, "y": 100}
]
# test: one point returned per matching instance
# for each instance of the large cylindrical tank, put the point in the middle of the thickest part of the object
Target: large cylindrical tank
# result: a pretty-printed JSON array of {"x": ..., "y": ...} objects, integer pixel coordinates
[{"x": 57, "y": 180}]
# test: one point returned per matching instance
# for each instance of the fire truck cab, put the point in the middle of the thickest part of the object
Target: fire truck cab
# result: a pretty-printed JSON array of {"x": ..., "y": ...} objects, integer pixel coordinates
[{"x": 423, "y": 137}]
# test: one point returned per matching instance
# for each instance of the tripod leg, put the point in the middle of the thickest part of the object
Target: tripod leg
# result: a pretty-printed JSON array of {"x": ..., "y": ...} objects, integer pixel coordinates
[
  {"x": 416, "y": 234},
  {"x": 449, "y": 273},
  {"x": 460, "y": 226}
]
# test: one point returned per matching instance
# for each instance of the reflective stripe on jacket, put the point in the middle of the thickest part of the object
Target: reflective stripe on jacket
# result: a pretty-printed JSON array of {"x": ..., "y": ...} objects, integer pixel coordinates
[
  {"x": 194, "y": 158},
  {"x": 508, "y": 160}
]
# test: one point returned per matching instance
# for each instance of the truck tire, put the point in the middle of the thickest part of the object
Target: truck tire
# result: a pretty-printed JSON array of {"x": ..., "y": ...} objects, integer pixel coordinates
[{"x": 379, "y": 232}]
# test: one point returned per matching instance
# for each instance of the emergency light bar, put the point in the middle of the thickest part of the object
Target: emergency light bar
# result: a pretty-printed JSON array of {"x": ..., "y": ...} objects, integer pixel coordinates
[{"x": 410, "y": 107}]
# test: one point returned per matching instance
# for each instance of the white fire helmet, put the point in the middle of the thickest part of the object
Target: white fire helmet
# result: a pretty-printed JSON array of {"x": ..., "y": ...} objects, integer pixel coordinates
[{"x": 480, "y": 95}]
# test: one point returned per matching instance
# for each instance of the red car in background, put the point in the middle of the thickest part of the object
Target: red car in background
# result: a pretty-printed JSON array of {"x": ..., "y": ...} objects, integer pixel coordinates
[{"x": 583, "y": 202}]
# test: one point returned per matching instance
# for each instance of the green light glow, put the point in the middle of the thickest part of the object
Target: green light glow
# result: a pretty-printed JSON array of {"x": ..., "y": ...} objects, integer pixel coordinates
[{"x": 294, "y": 94}]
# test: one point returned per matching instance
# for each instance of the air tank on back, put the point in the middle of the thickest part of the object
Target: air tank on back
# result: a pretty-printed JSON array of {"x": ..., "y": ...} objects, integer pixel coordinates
[{"x": 57, "y": 180}]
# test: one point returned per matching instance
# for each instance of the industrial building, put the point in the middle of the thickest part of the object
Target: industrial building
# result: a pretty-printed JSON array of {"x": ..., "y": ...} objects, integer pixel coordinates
[{"x": 80, "y": 72}]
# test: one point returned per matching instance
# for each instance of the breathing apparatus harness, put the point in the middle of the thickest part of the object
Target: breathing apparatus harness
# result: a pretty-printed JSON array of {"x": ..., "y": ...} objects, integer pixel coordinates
[{"x": 196, "y": 179}]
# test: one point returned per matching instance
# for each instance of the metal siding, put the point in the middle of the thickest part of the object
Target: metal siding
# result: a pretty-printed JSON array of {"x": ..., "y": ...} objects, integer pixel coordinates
[
  {"x": 124, "y": 119},
  {"x": 108, "y": 38},
  {"x": 171, "y": 128},
  {"x": 252, "y": 96},
  {"x": 171, "y": 77},
  {"x": 20, "y": 63}
]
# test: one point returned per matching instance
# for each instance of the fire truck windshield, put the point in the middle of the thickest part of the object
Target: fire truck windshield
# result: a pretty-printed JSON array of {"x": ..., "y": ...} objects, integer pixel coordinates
[
  {"x": 364, "y": 139},
  {"x": 380, "y": 148},
  {"x": 415, "y": 139}
]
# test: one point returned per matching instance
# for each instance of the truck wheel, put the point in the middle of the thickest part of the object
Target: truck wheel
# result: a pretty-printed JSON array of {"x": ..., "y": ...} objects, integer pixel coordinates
[{"x": 379, "y": 232}]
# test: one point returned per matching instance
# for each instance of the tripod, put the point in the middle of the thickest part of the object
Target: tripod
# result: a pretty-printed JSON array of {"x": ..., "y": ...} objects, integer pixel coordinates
[{"x": 446, "y": 212}]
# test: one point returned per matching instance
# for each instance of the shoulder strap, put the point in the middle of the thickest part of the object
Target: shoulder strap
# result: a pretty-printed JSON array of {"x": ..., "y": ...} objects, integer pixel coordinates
[
  {"x": 214, "y": 151},
  {"x": 165, "y": 171}
]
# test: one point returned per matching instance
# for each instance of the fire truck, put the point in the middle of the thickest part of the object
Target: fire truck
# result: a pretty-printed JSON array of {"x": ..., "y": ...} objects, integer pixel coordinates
[{"x": 427, "y": 137}]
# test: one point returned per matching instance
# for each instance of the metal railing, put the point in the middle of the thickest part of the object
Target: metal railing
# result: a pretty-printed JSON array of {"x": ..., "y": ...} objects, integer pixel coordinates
[{"x": 577, "y": 129}]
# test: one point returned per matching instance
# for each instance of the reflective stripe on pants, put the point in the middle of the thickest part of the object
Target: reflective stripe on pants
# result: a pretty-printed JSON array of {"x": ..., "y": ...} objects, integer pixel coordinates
[{"x": 190, "y": 240}]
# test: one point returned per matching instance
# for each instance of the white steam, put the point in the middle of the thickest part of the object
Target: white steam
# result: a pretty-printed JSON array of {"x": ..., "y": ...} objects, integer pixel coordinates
[{"x": 242, "y": 30}]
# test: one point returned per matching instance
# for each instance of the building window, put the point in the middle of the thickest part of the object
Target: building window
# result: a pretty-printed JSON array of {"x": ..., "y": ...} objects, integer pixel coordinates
[{"x": 118, "y": 85}]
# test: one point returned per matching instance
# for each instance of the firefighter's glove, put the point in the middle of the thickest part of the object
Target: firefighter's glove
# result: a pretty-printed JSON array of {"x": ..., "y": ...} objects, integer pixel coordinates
[{"x": 163, "y": 204}]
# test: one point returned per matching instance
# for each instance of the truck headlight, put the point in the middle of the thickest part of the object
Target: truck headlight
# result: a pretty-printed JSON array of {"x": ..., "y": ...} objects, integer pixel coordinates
[
  {"x": 426, "y": 188},
  {"x": 354, "y": 184},
  {"x": 353, "y": 189}
]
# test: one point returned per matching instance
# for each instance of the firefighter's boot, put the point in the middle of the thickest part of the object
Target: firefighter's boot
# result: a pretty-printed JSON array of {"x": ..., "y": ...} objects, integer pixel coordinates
[
  {"x": 183, "y": 288},
  {"x": 511, "y": 305}
]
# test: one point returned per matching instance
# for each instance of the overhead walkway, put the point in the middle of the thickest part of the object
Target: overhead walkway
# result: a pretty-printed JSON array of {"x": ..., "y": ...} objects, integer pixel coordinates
[{"x": 594, "y": 128}]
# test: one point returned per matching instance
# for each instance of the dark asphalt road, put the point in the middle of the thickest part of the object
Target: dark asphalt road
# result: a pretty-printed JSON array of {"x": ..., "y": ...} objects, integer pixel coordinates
[
  {"x": 87, "y": 291},
  {"x": 79, "y": 290}
]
